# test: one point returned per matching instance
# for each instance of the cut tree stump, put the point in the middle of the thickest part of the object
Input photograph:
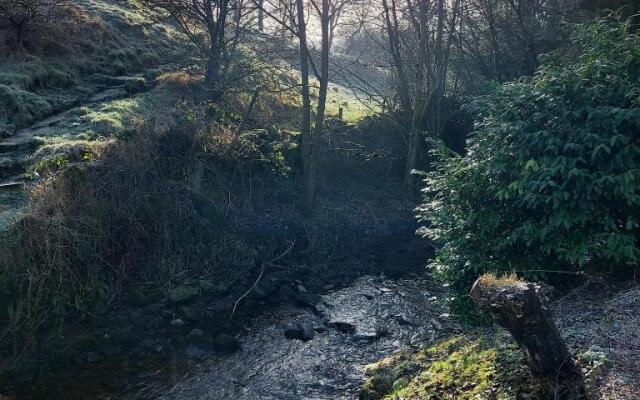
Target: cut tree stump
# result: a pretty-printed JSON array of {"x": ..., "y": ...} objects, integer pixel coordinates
[{"x": 517, "y": 307}]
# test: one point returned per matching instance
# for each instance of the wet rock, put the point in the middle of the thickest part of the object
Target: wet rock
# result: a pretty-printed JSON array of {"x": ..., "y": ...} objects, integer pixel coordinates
[
  {"x": 299, "y": 331},
  {"x": 343, "y": 325},
  {"x": 404, "y": 320},
  {"x": 226, "y": 343},
  {"x": 183, "y": 293},
  {"x": 302, "y": 289},
  {"x": 400, "y": 384},
  {"x": 308, "y": 299},
  {"x": 192, "y": 351},
  {"x": 221, "y": 305},
  {"x": 177, "y": 322},
  {"x": 190, "y": 314},
  {"x": 200, "y": 338},
  {"x": 366, "y": 336},
  {"x": 92, "y": 357}
]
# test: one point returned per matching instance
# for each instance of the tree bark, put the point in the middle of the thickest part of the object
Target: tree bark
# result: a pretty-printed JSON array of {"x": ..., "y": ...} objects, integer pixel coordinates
[
  {"x": 261, "y": 16},
  {"x": 311, "y": 184},
  {"x": 404, "y": 93},
  {"x": 305, "y": 126},
  {"x": 517, "y": 307}
]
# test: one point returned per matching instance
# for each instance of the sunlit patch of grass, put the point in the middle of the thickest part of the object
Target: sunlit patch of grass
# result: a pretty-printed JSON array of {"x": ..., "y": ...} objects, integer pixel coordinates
[
  {"x": 112, "y": 39},
  {"x": 354, "y": 109},
  {"x": 115, "y": 116}
]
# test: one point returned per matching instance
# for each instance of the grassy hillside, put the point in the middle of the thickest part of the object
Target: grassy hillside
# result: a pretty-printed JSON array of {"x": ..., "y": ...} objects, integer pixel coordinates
[{"x": 97, "y": 40}]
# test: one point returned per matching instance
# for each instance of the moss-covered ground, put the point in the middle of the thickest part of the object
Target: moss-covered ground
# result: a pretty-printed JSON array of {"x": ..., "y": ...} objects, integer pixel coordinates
[{"x": 476, "y": 365}]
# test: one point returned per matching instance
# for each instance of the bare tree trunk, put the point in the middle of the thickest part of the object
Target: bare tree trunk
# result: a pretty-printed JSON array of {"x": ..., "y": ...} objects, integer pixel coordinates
[
  {"x": 305, "y": 127},
  {"x": 212, "y": 74},
  {"x": 517, "y": 307},
  {"x": 216, "y": 26},
  {"x": 311, "y": 184},
  {"x": 421, "y": 101},
  {"x": 391, "y": 20},
  {"x": 261, "y": 15}
]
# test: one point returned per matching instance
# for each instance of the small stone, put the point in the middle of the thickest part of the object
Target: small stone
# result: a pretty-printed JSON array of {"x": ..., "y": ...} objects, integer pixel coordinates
[
  {"x": 226, "y": 343},
  {"x": 200, "y": 338},
  {"x": 365, "y": 336},
  {"x": 343, "y": 325},
  {"x": 221, "y": 306},
  {"x": 299, "y": 331},
  {"x": 183, "y": 293},
  {"x": 444, "y": 316},
  {"x": 192, "y": 351},
  {"x": 189, "y": 314},
  {"x": 308, "y": 299},
  {"x": 404, "y": 320},
  {"x": 302, "y": 289},
  {"x": 177, "y": 322},
  {"x": 400, "y": 384}
]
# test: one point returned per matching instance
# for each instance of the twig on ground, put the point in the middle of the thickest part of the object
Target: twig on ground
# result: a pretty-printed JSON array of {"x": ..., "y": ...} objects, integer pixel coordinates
[{"x": 262, "y": 269}]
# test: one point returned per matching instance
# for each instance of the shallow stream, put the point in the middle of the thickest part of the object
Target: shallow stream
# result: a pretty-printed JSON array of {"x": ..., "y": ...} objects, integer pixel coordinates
[{"x": 353, "y": 326}]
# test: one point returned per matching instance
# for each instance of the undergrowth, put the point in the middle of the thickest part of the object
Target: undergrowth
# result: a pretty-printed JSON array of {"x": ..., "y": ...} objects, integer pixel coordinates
[{"x": 183, "y": 201}]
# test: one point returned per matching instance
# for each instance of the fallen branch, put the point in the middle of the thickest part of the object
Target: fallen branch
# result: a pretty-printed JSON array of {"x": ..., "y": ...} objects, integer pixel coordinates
[{"x": 262, "y": 269}]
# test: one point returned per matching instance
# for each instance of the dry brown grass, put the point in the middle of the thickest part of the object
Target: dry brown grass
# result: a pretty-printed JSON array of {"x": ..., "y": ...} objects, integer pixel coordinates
[{"x": 493, "y": 281}]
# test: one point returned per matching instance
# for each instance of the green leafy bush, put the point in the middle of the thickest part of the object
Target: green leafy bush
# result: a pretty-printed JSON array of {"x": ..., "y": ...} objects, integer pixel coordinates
[{"x": 551, "y": 180}]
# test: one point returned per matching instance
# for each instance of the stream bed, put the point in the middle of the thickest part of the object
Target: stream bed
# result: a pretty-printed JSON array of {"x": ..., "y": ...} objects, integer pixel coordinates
[
  {"x": 352, "y": 326},
  {"x": 355, "y": 326}
]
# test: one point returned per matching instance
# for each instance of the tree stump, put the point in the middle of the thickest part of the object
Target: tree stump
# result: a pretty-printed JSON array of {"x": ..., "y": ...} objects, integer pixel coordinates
[{"x": 517, "y": 306}]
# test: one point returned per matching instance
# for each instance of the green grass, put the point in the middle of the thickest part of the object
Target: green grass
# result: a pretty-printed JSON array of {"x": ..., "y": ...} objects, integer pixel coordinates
[
  {"x": 82, "y": 133},
  {"x": 110, "y": 39},
  {"x": 354, "y": 109},
  {"x": 463, "y": 367}
]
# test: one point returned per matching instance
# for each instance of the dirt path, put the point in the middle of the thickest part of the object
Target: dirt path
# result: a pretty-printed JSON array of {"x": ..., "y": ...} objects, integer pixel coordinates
[{"x": 17, "y": 151}]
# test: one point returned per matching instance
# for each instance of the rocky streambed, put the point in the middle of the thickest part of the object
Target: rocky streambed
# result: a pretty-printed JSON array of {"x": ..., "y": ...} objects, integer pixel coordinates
[{"x": 317, "y": 351}]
